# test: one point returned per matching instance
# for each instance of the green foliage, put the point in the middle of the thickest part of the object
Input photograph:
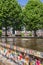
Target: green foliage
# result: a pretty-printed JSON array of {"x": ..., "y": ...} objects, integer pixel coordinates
[
  {"x": 0, "y": 24},
  {"x": 30, "y": 34},
  {"x": 10, "y": 13},
  {"x": 0, "y": 33},
  {"x": 22, "y": 34},
  {"x": 33, "y": 15}
]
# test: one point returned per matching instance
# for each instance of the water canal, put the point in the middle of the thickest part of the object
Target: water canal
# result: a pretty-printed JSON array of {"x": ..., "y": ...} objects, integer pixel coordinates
[{"x": 29, "y": 43}]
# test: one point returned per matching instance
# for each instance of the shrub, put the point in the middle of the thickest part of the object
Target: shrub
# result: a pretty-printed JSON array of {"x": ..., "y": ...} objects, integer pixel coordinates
[
  {"x": 30, "y": 34},
  {"x": 22, "y": 34},
  {"x": 0, "y": 33}
]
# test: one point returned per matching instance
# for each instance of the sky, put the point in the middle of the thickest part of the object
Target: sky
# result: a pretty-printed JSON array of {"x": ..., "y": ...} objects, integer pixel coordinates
[{"x": 23, "y": 2}]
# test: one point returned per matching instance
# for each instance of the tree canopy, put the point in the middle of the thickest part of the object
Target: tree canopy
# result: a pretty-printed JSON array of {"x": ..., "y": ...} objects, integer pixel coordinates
[
  {"x": 0, "y": 25},
  {"x": 33, "y": 15},
  {"x": 10, "y": 12}
]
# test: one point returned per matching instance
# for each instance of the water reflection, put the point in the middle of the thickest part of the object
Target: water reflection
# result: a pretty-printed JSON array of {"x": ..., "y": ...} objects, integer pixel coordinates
[{"x": 36, "y": 44}]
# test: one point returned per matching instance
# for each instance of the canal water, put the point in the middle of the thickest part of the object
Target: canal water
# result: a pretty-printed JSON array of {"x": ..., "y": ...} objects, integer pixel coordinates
[
  {"x": 29, "y": 43},
  {"x": 35, "y": 44}
]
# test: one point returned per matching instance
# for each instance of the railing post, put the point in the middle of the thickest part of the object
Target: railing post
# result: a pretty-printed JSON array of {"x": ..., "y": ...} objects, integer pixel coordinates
[{"x": 13, "y": 40}]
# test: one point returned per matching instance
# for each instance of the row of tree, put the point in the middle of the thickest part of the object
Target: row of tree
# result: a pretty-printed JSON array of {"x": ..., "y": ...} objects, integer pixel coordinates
[{"x": 30, "y": 16}]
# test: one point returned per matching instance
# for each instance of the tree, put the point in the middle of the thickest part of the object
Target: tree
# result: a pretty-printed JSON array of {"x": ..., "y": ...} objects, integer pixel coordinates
[
  {"x": 0, "y": 25},
  {"x": 33, "y": 15},
  {"x": 10, "y": 12},
  {"x": 0, "y": 33},
  {"x": 0, "y": 28}
]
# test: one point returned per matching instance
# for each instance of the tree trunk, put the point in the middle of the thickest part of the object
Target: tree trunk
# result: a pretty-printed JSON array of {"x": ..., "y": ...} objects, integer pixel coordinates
[
  {"x": 6, "y": 35},
  {"x": 13, "y": 31},
  {"x": 35, "y": 35}
]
